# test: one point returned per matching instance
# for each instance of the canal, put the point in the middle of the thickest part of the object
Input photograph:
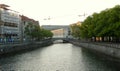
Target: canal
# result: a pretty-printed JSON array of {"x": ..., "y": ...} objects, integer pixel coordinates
[{"x": 57, "y": 57}]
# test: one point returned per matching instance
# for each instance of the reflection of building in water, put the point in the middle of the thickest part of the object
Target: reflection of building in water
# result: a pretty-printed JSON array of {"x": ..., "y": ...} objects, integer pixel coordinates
[{"x": 58, "y": 32}]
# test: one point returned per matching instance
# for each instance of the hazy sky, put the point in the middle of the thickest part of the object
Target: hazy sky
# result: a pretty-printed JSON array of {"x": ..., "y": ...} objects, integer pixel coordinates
[{"x": 61, "y": 12}]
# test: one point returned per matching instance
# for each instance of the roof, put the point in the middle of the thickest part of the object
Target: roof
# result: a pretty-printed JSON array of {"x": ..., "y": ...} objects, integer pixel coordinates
[
  {"x": 4, "y": 6},
  {"x": 25, "y": 18}
]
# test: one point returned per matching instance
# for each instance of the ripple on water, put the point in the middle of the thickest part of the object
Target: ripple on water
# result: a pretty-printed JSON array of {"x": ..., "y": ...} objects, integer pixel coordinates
[{"x": 57, "y": 57}]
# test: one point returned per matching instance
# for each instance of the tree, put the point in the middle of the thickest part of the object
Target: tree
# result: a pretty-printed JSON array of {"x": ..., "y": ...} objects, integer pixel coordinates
[
  {"x": 28, "y": 29},
  {"x": 37, "y": 33},
  {"x": 86, "y": 30},
  {"x": 75, "y": 30},
  {"x": 104, "y": 24}
]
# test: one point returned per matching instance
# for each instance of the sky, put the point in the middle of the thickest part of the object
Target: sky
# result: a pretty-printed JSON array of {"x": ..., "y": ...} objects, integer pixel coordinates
[{"x": 60, "y": 12}]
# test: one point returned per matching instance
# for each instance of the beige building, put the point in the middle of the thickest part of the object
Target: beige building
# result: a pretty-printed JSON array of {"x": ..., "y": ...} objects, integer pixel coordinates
[{"x": 58, "y": 33}]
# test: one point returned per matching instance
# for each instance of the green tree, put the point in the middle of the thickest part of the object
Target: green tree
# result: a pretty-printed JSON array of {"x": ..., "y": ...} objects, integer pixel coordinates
[
  {"x": 28, "y": 29},
  {"x": 35, "y": 32},
  {"x": 75, "y": 30},
  {"x": 86, "y": 30},
  {"x": 104, "y": 24}
]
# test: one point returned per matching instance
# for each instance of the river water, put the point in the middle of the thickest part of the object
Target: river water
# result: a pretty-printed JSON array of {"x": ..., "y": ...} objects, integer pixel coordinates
[{"x": 57, "y": 57}]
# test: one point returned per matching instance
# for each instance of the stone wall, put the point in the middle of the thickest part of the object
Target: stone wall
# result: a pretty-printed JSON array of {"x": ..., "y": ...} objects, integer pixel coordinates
[
  {"x": 4, "y": 49},
  {"x": 111, "y": 51}
]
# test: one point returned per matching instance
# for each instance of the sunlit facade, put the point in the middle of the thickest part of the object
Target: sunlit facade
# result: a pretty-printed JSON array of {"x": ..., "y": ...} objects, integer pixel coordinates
[{"x": 58, "y": 33}]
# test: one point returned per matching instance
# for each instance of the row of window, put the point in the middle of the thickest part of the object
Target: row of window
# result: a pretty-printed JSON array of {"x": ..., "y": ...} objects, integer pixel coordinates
[
  {"x": 10, "y": 24},
  {"x": 10, "y": 13},
  {"x": 8, "y": 34},
  {"x": 10, "y": 20}
]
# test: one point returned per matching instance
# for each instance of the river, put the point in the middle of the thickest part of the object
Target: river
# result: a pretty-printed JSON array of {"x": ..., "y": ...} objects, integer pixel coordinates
[{"x": 57, "y": 57}]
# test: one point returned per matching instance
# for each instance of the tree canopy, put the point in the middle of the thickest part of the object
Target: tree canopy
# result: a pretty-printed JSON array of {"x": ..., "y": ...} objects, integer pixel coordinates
[
  {"x": 75, "y": 30},
  {"x": 103, "y": 24},
  {"x": 36, "y": 32}
]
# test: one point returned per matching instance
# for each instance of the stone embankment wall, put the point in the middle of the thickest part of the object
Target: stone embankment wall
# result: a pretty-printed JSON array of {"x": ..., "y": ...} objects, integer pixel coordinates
[
  {"x": 107, "y": 49},
  {"x": 10, "y": 48}
]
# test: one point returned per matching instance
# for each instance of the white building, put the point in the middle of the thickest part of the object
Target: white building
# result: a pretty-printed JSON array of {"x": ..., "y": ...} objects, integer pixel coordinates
[{"x": 9, "y": 24}]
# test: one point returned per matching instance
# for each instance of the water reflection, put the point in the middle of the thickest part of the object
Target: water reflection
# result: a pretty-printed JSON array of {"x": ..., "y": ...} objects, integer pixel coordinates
[
  {"x": 57, "y": 57},
  {"x": 98, "y": 63}
]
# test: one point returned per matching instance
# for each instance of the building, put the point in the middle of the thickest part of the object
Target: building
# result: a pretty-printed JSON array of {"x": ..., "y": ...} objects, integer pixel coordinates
[
  {"x": 9, "y": 24},
  {"x": 59, "y": 31},
  {"x": 25, "y": 21},
  {"x": 77, "y": 23},
  {"x": 12, "y": 25}
]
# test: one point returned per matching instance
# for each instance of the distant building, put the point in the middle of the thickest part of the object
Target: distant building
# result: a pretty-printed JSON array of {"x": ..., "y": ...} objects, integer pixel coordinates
[
  {"x": 77, "y": 23},
  {"x": 58, "y": 33},
  {"x": 58, "y": 30},
  {"x": 9, "y": 24}
]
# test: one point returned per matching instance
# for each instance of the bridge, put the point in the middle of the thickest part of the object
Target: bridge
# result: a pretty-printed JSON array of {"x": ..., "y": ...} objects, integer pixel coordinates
[{"x": 59, "y": 40}]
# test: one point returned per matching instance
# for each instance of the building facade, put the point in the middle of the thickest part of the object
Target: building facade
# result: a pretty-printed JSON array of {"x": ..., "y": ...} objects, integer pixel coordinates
[
  {"x": 9, "y": 24},
  {"x": 25, "y": 22},
  {"x": 12, "y": 25},
  {"x": 59, "y": 31}
]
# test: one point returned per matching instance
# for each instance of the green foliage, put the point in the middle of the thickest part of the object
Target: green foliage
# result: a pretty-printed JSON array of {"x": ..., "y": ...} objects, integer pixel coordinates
[
  {"x": 103, "y": 24},
  {"x": 35, "y": 32},
  {"x": 28, "y": 29},
  {"x": 46, "y": 33},
  {"x": 75, "y": 30}
]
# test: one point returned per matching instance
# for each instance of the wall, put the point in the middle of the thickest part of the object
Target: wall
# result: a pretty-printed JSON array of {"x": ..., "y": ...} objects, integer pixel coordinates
[
  {"x": 111, "y": 51},
  {"x": 4, "y": 49}
]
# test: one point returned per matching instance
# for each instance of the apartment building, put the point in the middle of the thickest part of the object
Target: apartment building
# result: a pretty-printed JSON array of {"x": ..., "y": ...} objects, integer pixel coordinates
[
  {"x": 25, "y": 21},
  {"x": 9, "y": 24},
  {"x": 12, "y": 25}
]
